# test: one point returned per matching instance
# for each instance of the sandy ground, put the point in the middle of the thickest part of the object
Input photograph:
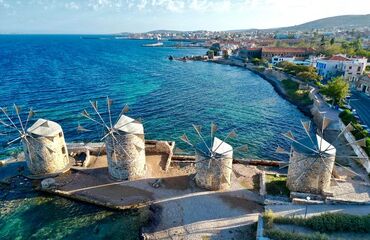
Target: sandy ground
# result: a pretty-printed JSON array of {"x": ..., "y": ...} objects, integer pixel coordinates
[{"x": 181, "y": 209}]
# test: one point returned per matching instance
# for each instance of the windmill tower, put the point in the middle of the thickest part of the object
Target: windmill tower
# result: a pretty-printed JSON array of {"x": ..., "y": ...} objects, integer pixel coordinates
[
  {"x": 126, "y": 149},
  {"x": 213, "y": 160},
  {"x": 43, "y": 143},
  {"x": 311, "y": 161},
  {"x": 124, "y": 142},
  {"x": 45, "y": 148}
]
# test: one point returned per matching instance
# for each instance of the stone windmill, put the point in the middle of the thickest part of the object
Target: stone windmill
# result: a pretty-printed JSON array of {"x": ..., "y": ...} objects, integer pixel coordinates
[
  {"x": 43, "y": 143},
  {"x": 311, "y": 160},
  {"x": 213, "y": 159},
  {"x": 124, "y": 142}
]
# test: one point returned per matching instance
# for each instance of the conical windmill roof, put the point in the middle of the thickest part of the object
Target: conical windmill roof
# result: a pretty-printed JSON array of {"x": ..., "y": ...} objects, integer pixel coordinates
[
  {"x": 216, "y": 146},
  {"x": 315, "y": 142},
  {"x": 129, "y": 125},
  {"x": 45, "y": 128}
]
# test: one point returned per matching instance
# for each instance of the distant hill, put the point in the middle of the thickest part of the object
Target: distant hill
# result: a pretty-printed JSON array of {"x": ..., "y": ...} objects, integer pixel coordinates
[
  {"x": 164, "y": 31},
  {"x": 345, "y": 21}
]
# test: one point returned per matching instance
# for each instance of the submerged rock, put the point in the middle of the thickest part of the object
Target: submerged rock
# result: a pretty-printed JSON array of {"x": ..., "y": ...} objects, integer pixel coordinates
[{"x": 48, "y": 183}]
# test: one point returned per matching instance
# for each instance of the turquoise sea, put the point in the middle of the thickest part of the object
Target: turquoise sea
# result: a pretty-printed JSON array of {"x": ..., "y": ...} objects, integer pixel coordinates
[{"x": 57, "y": 75}]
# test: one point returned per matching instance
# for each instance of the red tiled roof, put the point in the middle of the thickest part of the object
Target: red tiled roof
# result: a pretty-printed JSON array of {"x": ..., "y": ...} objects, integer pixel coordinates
[
  {"x": 286, "y": 50},
  {"x": 338, "y": 58}
]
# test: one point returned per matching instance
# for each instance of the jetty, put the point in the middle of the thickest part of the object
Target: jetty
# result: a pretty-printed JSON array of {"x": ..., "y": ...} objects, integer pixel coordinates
[{"x": 168, "y": 189}]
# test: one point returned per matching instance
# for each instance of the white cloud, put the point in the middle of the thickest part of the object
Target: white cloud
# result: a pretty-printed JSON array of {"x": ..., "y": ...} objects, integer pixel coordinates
[
  {"x": 4, "y": 4},
  {"x": 98, "y": 4},
  {"x": 142, "y": 4},
  {"x": 72, "y": 6}
]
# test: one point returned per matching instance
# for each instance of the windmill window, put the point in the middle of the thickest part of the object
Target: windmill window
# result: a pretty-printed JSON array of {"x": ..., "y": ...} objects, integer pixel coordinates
[
  {"x": 63, "y": 150},
  {"x": 51, "y": 139},
  {"x": 60, "y": 134}
]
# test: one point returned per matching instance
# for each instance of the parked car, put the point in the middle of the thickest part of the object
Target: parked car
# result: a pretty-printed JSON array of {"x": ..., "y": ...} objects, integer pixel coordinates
[
  {"x": 347, "y": 106},
  {"x": 366, "y": 127}
]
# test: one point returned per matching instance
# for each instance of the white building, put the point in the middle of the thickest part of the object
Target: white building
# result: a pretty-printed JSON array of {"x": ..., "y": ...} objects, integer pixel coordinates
[
  {"x": 340, "y": 65},
  {"x": 307, "y": 62},
  {"x": 277, "y": 59}
]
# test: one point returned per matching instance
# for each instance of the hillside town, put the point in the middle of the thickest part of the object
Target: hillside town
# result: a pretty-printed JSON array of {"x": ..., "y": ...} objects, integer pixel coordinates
[{"x": 321, "y": 55}]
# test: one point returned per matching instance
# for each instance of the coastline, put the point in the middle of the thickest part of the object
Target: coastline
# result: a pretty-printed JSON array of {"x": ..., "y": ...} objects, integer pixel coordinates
[{"x": 271, "y": 76}]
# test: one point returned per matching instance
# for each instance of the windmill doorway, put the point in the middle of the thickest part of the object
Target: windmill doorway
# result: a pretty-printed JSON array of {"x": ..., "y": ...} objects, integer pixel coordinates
[{"x": 364, "y": 88}]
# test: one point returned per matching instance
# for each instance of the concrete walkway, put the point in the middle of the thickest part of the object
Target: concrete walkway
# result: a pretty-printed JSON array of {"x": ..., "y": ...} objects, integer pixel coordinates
[{"x": 299, "y": 210}]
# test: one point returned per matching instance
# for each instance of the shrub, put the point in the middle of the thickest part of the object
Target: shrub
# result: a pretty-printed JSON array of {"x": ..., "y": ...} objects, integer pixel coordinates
[
  {"x": 347, "y": 117},
  {"x": 309, "y": 76},
  {"x": 330, "y": 222},
  {"x": 293, "y": 92},
  {"x": 367, "y": 149},
  {"x": 276, "y": 185},
  {"x": 283, "y": 235},
  {"x": 268, "y": 218}
]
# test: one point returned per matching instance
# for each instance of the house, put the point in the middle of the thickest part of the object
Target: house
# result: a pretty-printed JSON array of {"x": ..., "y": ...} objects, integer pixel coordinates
[
  {"x": 250, "y": 53},
  {"x": 363, "y": 84},
  {"x": 305, "y": 62},
  {"x": 269, "y": 52},
  {"x": 277, "y": 59},
  {"x": 341, "y": 65}
]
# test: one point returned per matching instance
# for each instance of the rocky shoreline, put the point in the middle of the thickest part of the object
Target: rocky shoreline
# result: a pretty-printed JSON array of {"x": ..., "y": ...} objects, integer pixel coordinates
[{"x": 271, "y": 76}]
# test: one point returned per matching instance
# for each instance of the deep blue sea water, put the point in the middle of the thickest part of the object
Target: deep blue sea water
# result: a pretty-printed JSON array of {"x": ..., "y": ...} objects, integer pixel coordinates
[{"x": 58, "y": 75}]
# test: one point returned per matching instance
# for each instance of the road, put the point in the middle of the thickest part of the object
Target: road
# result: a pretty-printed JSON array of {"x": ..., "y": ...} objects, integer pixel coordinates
[{"x": 361, "y": 103}]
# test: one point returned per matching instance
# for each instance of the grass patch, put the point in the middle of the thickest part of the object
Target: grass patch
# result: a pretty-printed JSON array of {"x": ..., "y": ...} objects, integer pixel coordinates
[
  {"x": 324, "y": 223},
  {"x": 295, "y": 94},
  {"x": 276, "y": 185},
  {"x": 277, "y": 234},
  {"x": 331, "y": 222},
  {"x": 269, "y": 219}
]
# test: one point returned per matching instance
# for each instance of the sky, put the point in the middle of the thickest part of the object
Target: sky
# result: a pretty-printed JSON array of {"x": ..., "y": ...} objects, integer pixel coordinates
[{"x": 115, "y": 16}]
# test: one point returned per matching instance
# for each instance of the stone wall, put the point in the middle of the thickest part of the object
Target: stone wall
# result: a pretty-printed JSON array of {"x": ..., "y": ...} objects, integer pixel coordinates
[
  {"x": 309, "y": 174},
  {"x": 46, "y": 155},
  {"x": 126, "y": 156},
  {"x": 213, "y": 175}
]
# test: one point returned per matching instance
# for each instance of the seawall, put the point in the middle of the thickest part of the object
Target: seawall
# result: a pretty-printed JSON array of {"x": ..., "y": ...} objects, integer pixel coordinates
[{"x": 273, "y": 79}]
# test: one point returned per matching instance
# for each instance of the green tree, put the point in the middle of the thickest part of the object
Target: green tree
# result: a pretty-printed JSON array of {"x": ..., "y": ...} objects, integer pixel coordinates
[
  {"x": 256, "y": 61},
  {"x": 322, "y": 41},
  {"x": 309, "y": 76},
  {"x": 332, "y": 41},
  {"x": 356, "y": 44},
  {"x": 337, "y": 89},
  {"x": 210, "y": 54},
  {"x": 216, "y": 48}
]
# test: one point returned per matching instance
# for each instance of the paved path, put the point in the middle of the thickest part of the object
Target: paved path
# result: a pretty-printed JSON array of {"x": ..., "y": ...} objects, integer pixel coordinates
[
  {"x": 361, "y": 103},
  {"x": 299, "y": 210}
]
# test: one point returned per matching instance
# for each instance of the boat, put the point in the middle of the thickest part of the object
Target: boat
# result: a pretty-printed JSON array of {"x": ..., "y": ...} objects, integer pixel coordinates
[{"x": 157, "y": 44}]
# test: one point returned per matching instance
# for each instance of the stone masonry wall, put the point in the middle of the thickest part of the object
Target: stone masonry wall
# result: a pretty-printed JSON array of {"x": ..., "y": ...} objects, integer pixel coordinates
[
  {"x": 213, "y": 176},
  {"x": 46, "y": 155},
  {"x": 315, "y": 176},
  {"x": 126, "y": 156}
]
